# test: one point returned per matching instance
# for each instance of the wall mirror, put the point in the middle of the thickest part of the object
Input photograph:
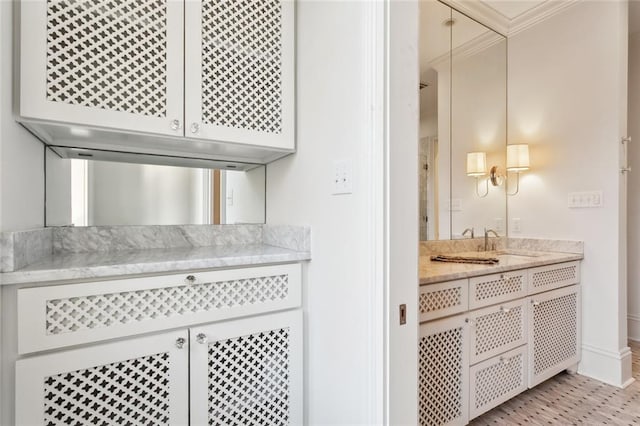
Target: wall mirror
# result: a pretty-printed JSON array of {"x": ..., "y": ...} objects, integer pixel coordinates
[
  {"x": 96, "y": 193},
  {"x": 463, "y": 95}
]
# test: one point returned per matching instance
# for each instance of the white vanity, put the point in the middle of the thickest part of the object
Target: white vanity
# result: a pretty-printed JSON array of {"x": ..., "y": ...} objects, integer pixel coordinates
[
  {"x": 488, "y": 333},
  {"x": 218, "y": 339}
]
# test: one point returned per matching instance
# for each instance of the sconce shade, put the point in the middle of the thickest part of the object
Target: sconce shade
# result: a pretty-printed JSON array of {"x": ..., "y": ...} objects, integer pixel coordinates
[
  {"x": 517, "y": 157},
  {"x": 476, "y": 164}
]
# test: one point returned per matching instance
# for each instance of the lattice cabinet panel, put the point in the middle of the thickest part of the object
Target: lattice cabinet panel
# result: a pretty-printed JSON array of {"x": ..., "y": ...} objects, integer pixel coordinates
[
  {"x": 439, "y": 300},
  {"x": 496, "y": 380},
  {"x": 491, "y": 289},
  {"x": 139, "y": 381},
  {"x": 72, "y": 314},
  {"x": 443, "y": 372},
  {"x": 248, "y": 372},
  {"x": 550, "y": 277},
  {"x": 554, "y": 333},
  {"x": 240, "y": 71},
  {"x": 103, "y": 63},
  {"x": 497, "y": 329}
]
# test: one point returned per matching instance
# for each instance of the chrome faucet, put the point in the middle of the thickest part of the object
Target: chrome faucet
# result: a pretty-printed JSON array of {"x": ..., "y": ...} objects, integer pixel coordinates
[
  {"x": 466, "y": 231},
  {"x": 486, "y": 237}
]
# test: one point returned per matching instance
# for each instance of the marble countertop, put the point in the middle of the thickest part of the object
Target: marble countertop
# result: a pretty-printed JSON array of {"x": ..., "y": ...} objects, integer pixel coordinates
[
  {"x": 434, "y": 272},
  {"x": 88, "y": 265}
]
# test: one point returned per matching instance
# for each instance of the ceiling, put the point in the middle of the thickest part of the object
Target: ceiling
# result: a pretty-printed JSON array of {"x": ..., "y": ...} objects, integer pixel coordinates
[{"x": 511, "y": 9}]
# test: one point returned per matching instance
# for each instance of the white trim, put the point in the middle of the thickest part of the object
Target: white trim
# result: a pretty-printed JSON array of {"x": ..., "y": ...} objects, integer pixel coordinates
[
  {"x": 374, "y": 69},
  {"x": 610, "y": 367},
  {"x": 633, "y": 324},
  {"x": 207, "y": 199},
  {"x": 509, "y": 27}
]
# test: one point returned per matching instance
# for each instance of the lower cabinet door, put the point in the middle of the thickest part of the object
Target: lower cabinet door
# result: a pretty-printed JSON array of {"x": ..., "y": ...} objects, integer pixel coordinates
[
  {"x": 443, "y": 372},
  {"x": 496, "y": 380},
  {"x": 554, "y": 332},
  {"x": 248, "y": 371},
  {"x": 136, "y": 381}
]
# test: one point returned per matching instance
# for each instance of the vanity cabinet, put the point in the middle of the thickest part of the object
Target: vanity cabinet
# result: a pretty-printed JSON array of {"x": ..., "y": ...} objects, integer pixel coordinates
[
  {"x": 216, "y": 347},
  {"x": 204, "y": 70},
  {"x": 485, "y": 339}
]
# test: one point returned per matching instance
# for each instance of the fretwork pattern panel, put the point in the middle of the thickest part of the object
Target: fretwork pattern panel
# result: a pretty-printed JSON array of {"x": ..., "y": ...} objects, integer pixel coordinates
[
  {"x": 440, "y": 299},
  {"x": 108, "y": 54},
  {"x": 498, "y": 329},
  {"x": 555, "y": 331},
  {"x": 499, "y": 287},
  {"x": 498, "y": 379},
  {"x": 241, "y": 64},
  {"x": 104, "y": 310},
  {"x": 132, "y": 392},
  {"x": 545, "y": 278},
  {"x": 440, "y": 377},
  {"x": 249, "y": 379}
]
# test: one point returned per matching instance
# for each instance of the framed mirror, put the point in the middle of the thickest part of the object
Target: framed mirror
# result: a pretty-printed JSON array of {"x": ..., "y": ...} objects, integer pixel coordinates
[
  {"x": 85, "y": 192},
  {"x": 463, "y": 95}
]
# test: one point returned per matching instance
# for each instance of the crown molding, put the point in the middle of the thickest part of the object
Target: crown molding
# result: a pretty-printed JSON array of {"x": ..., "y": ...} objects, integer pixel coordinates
[{"x": 500, "y": 23}]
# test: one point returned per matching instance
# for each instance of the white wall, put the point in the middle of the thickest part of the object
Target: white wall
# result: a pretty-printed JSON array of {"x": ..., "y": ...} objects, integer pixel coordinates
[
  {"x": 21, "y": 155},
  {"x": 633, "y": 207},
  {"x": 567, "y": 99},
  {"x": 333, "y": 122}
]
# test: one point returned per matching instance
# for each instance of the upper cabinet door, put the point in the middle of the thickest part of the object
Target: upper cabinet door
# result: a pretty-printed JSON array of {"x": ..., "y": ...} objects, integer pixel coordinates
[
  {"x": 239, "y": 66},
  {"x": 103, "y": 63}
]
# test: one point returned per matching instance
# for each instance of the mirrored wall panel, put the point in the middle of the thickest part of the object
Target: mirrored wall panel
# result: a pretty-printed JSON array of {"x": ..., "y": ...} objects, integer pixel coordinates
[
  {"x": 96, "y": 193},
  {"x": 462, "y": 125}
]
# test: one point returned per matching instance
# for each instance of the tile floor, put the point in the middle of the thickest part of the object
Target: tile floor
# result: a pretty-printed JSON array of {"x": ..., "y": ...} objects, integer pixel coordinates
[{"x": 571, "y": 399}]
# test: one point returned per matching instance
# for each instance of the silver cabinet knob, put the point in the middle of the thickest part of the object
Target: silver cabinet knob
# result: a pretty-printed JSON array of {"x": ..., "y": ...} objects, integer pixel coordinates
[
  {"x": 505, "y": 310},
  {"x": 535, "y": 303},
  {"x": 195, "y": 127},
  {"x": 180, "y": 341},
  {"x": 505, "y": 361},
  {"x": 175, "y": 124},
  {"x": 191, "y": 279},
  {"x": 471, "y": 322},
  {"x": 201, "y": 338}
]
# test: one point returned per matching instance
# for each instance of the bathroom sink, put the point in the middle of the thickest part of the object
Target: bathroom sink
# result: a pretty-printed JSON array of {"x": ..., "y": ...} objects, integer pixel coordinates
[{"x": 515, "y": 252}]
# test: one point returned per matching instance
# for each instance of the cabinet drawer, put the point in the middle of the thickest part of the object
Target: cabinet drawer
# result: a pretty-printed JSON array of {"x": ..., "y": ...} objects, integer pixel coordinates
[
  {"x": 440, "y": 300},
  {"x": 550, "y": 277},
  {"x": 496, "y": 380},
  {"x": 497, "y": 329},
  {"x": 496, "y": 288},
  {"x": 58, "y": 316}
]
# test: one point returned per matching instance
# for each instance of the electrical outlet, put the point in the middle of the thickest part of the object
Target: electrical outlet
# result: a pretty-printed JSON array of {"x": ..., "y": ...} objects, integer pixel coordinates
[
  {"x": 455, "y": 205},
  {"x": 499, "y": 224},
  {"x": 516, "y": 225},
  {"x": 342, "y": 177}
]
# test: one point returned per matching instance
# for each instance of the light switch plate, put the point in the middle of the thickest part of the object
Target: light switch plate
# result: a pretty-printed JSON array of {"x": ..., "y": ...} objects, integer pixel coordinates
[
  {"x": 342, "y": 178},
  {"x": 585, "y": 199}
]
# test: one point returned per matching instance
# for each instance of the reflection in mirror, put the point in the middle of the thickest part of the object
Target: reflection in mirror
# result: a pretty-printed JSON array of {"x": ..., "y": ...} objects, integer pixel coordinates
[
  {"x": 462, "y": 110},
  {"x": 96, "y": 193}
]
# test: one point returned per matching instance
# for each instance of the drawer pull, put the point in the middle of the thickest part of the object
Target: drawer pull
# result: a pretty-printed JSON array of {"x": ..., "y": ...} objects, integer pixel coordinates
[
  {"x": 180, "y": 341},
  {"x": 505, "y": 361},
  {"x": 471, "y": 323},
  {"x": 201, "y": 338},
  {"x": 502, "y": 277},
  {"x": 191, "y": 279},
  {"x": 535, "y": 303},
  {"x": 505, "y": 310}
]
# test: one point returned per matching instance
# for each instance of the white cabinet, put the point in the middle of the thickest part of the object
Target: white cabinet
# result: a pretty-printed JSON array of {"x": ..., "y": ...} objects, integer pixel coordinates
[
  {"x": 443, "y": 372},
  {"x": 226, "y": 348},
  {"x": 111, "y": 63},
  {"x": 510, "y": 331},
  {"x": 210, "y": 77},
  {"x": 246, "y": 372},
  {"x": 138, "y": 381},
  {"x": 554, "y": 333}
]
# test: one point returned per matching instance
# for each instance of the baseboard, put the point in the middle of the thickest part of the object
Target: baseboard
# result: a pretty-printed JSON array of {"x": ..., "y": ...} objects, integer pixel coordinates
[
  {"x": 633, "y": 327},
  {"x": 611, "y": 367}
]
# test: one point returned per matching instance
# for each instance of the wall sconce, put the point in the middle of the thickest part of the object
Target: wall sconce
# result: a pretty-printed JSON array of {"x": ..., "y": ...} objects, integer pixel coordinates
[
  {"x": 477, "y": 167},
  {"x": 517, "y": 161}
]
